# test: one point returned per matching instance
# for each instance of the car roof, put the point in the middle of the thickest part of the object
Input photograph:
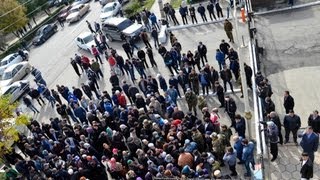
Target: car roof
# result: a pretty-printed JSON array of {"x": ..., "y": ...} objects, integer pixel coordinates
[
  {"x": 76, "y": 6},
  {"x": 114, "y": 20},
  {"x": 110, "y": 4},
  {"x": 84, "y": 34},
  {"x": 44, "y": 26},
  {"x": 17, "y": 83},
  {"x": 10, "y": 68}
]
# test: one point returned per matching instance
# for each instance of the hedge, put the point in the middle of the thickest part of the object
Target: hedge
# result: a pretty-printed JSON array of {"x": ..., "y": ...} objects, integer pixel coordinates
[{"x": 136, "y": 6}]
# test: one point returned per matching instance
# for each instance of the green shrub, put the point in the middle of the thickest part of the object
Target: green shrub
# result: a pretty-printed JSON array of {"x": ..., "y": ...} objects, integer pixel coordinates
[{"x": 136, "y": 6}]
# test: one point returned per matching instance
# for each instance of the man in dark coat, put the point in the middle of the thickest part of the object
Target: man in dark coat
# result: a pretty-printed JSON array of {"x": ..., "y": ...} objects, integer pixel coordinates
[
  {"x": 314, "y": 121},
  {"x": 231, "y": 108},
  {"x": 226, "y": 76},
  {"x": 276, "y": 120},
  {"x": 224, "y": 47},
  {"x": 248, "y": 71},
  {"x": 202, "y": 49},
  {"x": 127, "y": 49},
  {"x": 210, "y": 8},
  {"x": 220, "y": 93},
  {"x": 183, "y": 13},
  {"x": 151, "y": 58},
  {"x": 291, "y": 123},
  {"x": 193, "y": 14},
  {"x": 86, "y": 89},
  {"x": 288, "y": 102},
  {"x": 202, "y": 12},
  {"x": 240, "y": 125},
  {"x": 306, "y": 167},
  {"x": 310, "y": 142},
  {"x": 75, "y": 66},
  {"x": 77, "y": 92},
  {"x": 142, "y": 56},
  {"x": 154, "y": 35}
]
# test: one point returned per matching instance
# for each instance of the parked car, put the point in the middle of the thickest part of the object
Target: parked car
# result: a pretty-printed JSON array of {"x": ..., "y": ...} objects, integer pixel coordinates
[
  {"x": 64, "y": 13},
  {"x": 44, "y": 33},
  {"x": 10, "y": 60},
  {"x": 76, "y": 12},
  {"x": 15, "y": 73},
  {"x": 77, "y": 2},
  {"x": 110, "y": 10},
  {"x": 114, "y": 27},
  {"x": 85, "y": 40},
  {"x": 16, "y": 90}
]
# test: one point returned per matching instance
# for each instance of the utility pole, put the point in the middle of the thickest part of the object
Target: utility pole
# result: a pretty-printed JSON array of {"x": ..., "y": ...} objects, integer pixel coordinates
[
  {"x": 160, "y": 2},
  {"x": 247, "y": 113}
]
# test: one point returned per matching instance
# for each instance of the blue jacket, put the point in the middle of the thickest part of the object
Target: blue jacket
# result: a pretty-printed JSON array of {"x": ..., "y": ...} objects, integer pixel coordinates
[
  {"x": 220, "y": 57},
  {"x": 182, "y": 11},
  {"x": 238, "y": 146},
  {"x": 173, "y": 94},
  {"x": 153, "y": 18},
  {"x": 163, "y": 84},
  {"x": 80, "y": 113},
  {"x": 247, "y": 153},
  {"x": 230, "y": 159},
  {"x": 191, "y": 147},
  {"x": 311, "y": 144},
  {"x": 241, "y": 128}
]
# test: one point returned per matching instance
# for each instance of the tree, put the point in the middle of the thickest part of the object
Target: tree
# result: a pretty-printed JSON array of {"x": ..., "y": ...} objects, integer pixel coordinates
[
  {"x": 9, "y": 125},
  {"x": 12, "y": 16}
]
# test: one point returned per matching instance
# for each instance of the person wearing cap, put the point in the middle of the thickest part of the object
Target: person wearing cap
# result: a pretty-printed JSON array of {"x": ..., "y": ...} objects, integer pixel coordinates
[
  {"x": 310, "y": 142},
  {"x": 220, "y": 93},
  {"x": 272, "y": 133},
  {"x": 291, "y": 123},
  {"x": 306, "y": 170}
]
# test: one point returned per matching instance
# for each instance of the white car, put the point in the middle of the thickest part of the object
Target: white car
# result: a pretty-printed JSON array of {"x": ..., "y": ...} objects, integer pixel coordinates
[
  {"x": 104, "y": 2},
  {"x": 16, "y": 90},
  {"x": 10, "y": 60},
  {"x": 77, "y": 2},
  {"x": 76, "y": 12},
  {"x": 15, "y": 73},
  {"x": 110, "y": 10},
  {"x": 85, "y": 40}
]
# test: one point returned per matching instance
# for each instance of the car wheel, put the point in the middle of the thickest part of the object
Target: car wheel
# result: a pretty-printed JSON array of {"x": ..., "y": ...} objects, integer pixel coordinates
[{"x": 110, "y": 38}]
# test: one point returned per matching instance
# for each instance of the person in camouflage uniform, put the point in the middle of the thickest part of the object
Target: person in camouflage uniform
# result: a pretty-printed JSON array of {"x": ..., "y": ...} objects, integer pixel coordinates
[
  {"x": 202, "y": 102},
  {"x": 194, "y": 81},
  {"x": 218, "y": 146},
  {"x": 192, "y": 100}
]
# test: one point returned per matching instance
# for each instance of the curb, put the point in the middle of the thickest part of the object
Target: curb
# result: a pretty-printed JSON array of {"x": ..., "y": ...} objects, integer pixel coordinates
[{"x": 195, "y": 25}]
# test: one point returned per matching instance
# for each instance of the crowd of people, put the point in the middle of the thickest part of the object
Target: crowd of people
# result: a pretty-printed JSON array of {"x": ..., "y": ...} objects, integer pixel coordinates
[{"x": 139, "y": 131}]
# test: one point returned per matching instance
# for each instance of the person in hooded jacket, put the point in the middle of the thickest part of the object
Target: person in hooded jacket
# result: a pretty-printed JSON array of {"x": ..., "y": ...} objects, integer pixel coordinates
[{"x": 272, "y": 133}]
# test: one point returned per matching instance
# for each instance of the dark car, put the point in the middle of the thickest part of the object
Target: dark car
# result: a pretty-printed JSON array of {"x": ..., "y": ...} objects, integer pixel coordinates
[
  {"x": 44, "y": 33},
  {"x": 64, "y": 13}
]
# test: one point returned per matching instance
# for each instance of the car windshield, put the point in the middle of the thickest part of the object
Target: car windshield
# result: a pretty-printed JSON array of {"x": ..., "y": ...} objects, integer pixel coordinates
[
  {"x": 2, "y": 63},
  {"x": 6, "y": 76},
  {"x": 88, "y": 39},
  {"x": 125, "y": 24},
  {"x": 107, "y": 9},
  {"x": 74, "y": 10}
]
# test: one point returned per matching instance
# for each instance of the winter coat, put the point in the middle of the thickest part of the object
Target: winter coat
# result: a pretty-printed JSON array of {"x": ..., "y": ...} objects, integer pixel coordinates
[
  {"x": 220, "y": 57},
  {"x": 292, "y": 123},
  {"x": 191, "y": 98},
  {"x": 310, "y": 144},
  {"x": 163, "y": 84},
  {"x": 226, "y": 75},
  {"x": 273, "y": 133},
  {"x": 241, "y": 127},
  {"x": 247, "y": 153},
  {"x": 314, "y": 123}
]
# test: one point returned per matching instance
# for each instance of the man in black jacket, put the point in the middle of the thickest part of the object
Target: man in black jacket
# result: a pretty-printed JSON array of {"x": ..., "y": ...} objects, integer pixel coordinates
[
  {"x": 291, "y": 123},
  {"x": 231, "y": 108},
  {"x": 202, "y": 12},
  {"x": 34, "y": 94},
  {"x": 151, "y": 58},
  {"x": 142, "y": 56},
  {"x": 127, "y": 48},
  {"x": 314, "y": 121},
  {"x": 224, "y": 47},
  {"x": 220, "y": 93},
  {"x": 288, "y": 102},
  {"x": 193, "y": 14},
  {"x": 202, "y": 49},
  {"x": 210, "y": 8},
  {"x": 306, "y": 167},
  {"x": 226, "y": 76}
]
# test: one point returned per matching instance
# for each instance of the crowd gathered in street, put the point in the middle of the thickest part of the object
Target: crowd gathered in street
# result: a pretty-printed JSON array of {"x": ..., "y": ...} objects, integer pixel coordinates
[{"x": 139, "y": 130}]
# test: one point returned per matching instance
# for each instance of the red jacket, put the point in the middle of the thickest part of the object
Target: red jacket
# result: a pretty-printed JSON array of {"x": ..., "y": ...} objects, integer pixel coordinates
[
  {"x": 95, "y": 51},
  {"x": 85, "y": 60},
  {"x": 112, "y": 61},
  {"x": 122, "y": 100}
]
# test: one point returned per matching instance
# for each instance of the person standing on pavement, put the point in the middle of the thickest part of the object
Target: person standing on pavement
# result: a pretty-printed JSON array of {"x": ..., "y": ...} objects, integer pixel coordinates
[
  {"x": 95, "y": 66},
  {"x": 75, "y": 66},
  {"x": 276, "y": 120},
  {"x": 288, "y": 102},
  {"x": 202, "y": 49},
  {"x": 154, "y": 34},
  {"x": 183, "y": 13},
  {"x": 314, "y": 121},
  {"x": 29, "y": 104},
  {"x": 120, "y": 63},
  {"x": 144, "y": 37},
  {"x": 219, "y": 9},
  {"x": 60, "y": 21},
  {"x": 220, "y": 57},
  {"x": 204, "y": 81},
  {"x": 231, "y": 108},
  {"x": 240, "y": 125},
  {"x": 248, "y": 156},
  {"x": 174, "y": 82},
  {"x": 142, "y": 56},
  {"x": 86, "y": 89},
  {"x": 127, "y": 49},
  {"x": 310, "y": 142},
  {"x": 90, "y": 27},
  {"x": 202, "y": 12},
  {"x": 162, "y": 83},
  {"x": 193, "y": 14},
  {"x": 306, "y": 167},
  {"x": 228, "y": 29},
  {"x": 248, "y": 71},
  {"x": 103, "y": 40},
  {"x": 291, "y": 123},
  {"x": 220, "y": 93},
  {"x": 226, "y": 76},
  {"x": 172, "y": 13},
  {"x": 154, "y": 21},
  {"x": 151, "y": 58},
  {"x": 230, "y": 158},
  {"x": 272, "y": 133},
  {"x": 210, "y": 8},
  {"x": 96, "y": 26},
  {"x": 77, "y": 58},
  {"x": 194, "y": 81},
  {"x": 95, "y": 53},
  {"x": 192, "y": 101},
  {"x": 133, "y": 45}
]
